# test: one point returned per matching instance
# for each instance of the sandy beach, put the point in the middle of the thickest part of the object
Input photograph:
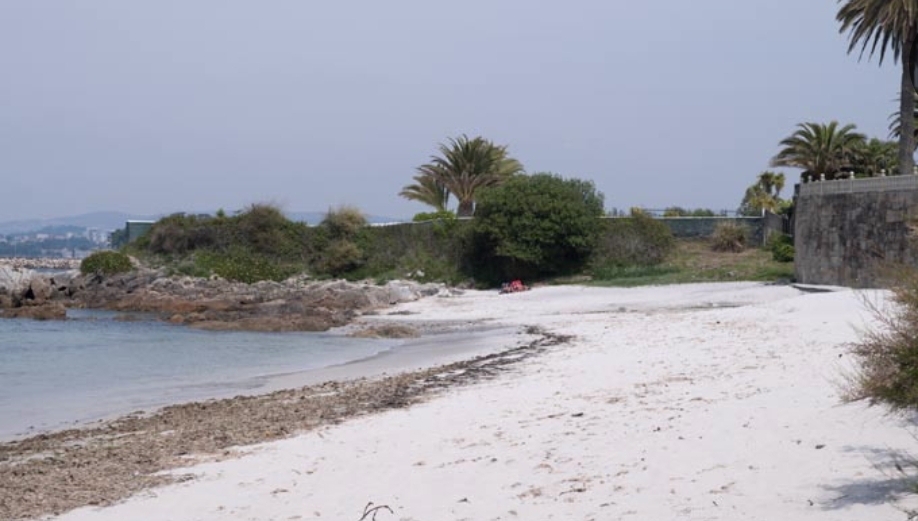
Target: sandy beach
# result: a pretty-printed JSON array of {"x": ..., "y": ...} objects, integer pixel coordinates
[{"x": 707, "y": 402}]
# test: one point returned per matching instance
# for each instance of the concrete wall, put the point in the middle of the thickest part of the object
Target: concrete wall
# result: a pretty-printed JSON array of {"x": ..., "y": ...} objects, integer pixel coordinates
[{"x": 847, "y": 232}]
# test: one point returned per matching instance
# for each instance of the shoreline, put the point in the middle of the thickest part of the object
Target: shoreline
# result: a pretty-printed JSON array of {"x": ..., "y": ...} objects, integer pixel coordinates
[
  {"x": 705, "y": 401},
  {"x": 52, "y": 472},
  {"x": 437, "y": 344}
]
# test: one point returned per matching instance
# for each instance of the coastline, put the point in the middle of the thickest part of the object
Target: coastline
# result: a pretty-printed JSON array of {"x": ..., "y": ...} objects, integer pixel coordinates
[
  {"x": 706, "y": 401},
  {"x": 88, "y": 409},
  {"x": 104, "y": 461}
]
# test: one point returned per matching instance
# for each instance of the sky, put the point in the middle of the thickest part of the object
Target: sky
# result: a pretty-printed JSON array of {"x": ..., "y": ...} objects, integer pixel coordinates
[{"x": 181, "y": 105}]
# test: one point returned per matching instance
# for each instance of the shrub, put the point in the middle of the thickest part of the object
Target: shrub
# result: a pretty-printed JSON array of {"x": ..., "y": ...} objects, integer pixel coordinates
[
  {"x": 636, "y": 241},
  {"x": 535, "y": 226},
  {"x": 888, "y": 354},
  {"x": 729, "y": 236},
  {"x": 340, "y": 257},
  {"x": 242, "y": 266},
  {"x": 261, "y": 228},
  {"x": 442, "y": 215},
  {"x": 178, "y": 234},
  {"x": 781, "y": 247},
  {"x": 343, "y": 222},
  {"x": 105, "y": 263}
]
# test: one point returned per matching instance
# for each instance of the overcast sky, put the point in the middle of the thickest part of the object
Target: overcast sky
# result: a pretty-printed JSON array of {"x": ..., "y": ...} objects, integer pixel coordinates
[{"x": 191, "y": 105}]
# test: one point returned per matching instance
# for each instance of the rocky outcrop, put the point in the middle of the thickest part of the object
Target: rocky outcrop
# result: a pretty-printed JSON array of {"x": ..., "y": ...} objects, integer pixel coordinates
[
  {"x": 47, "y": 311},
  {"x": 14, "y": 281},
  {"x": 297, "y": 304},
  {"x": 25, "y": 293}
]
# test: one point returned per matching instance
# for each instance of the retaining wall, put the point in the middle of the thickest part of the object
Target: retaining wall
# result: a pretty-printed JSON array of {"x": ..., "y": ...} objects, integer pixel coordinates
[{"x": 848, "y": 232}]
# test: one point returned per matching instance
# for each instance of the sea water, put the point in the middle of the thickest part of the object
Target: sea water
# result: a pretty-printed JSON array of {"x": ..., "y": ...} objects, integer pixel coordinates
[{"x": 55, "y": 374}]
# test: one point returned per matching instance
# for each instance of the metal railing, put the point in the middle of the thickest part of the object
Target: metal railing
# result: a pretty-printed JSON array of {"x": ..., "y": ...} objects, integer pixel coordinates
[{"x": 866, "y": 184}]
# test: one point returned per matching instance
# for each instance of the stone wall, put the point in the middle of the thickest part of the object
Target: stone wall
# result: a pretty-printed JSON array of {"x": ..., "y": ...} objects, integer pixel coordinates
[{"x": 848, "y": 232}]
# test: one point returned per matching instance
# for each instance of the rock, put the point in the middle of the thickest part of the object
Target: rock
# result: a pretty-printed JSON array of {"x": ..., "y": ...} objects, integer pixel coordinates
[
  {"x": 49, "y": 311},
  {"x": 296, "y": 304},
  {"x": 14, "y": 281},
  {"x": 39, "y": 290},
  {"x": 386, "y": 331},
  {"x": 399, "y": 292}
]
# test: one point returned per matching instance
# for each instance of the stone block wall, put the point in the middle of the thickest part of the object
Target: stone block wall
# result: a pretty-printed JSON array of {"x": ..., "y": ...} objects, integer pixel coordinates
[{"x": 848, "y": 232}]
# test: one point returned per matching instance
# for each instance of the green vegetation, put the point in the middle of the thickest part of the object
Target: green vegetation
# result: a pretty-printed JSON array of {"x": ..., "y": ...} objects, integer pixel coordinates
[
  {"x": 819, "y": 149},
  {"x": 693, "y": 261},
  {"x": 535, "y": 226},
  {"x": 440, "y": 215},
  {"x": 676, "y": 211},
  {"x": 729, "y": 237},
  {"x": 764, "y": 194},
  {"x": 881, "y": 26},
  {"x": 638, "y": 242},
  {"x": 781, "y": 247},
  {"x": 105, "y": 263},
  {"x": 259, "y": 243},
  {"x": 464, "y": 169}
]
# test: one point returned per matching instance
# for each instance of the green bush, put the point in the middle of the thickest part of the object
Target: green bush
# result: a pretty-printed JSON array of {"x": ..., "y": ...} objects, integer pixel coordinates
[
  {"x": 730, "y": 237},
  {"x": 442, "y": 215},
  {"x": 263, "y": 229},
  {"x": 105, "y": 263},
  {"x": 241, "y": 266},
  {"x": 534, "y": 226},
  {"x": 781, "y": 247},
  {"x": 178, "y": 234},
  {"x": 640, "y": 240},
  {"x": 339, "y": 257}
]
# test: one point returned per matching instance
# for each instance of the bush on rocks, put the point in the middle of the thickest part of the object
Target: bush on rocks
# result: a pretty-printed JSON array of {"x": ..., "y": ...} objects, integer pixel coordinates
[{"x": 105, "y": 263}]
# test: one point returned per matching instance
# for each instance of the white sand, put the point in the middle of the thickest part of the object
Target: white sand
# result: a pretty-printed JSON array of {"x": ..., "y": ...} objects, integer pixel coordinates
[{"x": 671, "y": 404}]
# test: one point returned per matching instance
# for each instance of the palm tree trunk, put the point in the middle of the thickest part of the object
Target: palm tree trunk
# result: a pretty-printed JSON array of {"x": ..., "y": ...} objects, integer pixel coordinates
[
  {"x": 466, "y": 208},
  {"x": 907, "y": 110}
]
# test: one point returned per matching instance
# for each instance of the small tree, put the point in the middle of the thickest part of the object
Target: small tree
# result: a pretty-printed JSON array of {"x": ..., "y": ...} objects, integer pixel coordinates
[
  {"x": 535, "y": 226},
  {"x": 764, "y": 194}
]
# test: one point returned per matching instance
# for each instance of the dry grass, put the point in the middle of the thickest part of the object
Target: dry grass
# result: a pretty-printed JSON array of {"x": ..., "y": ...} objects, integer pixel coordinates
[{"x": 888, "y": 352}]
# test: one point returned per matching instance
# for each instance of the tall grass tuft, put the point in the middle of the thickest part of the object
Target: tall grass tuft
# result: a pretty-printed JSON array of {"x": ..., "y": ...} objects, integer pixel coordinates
[
  {"x": 888, "y": 353},
  {"x": 729, "y": 237}
]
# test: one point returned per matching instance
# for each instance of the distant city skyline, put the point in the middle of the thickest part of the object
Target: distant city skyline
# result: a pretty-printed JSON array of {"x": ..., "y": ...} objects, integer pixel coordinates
[{"x": 153, "y": 108}]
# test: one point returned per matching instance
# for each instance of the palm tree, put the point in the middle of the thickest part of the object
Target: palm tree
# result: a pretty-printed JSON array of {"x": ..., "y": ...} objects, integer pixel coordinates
[
  {"x": 467, "y": 166},
  {"x": 765, "y": 194},
  {"x": 819, "y": 149},
  {"x": 875, "y": 157},
  {"x": 881, "y": 26},
  {"x": 428, "y": 190},
  {"x": 772, "y": 183},
  {"x": 895, "y": 125}
]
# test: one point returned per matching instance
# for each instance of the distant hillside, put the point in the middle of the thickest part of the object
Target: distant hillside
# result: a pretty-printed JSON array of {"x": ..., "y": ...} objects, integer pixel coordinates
[
  {"x": 108, "y": 221},
  {"x": 101, "y": 220}
]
